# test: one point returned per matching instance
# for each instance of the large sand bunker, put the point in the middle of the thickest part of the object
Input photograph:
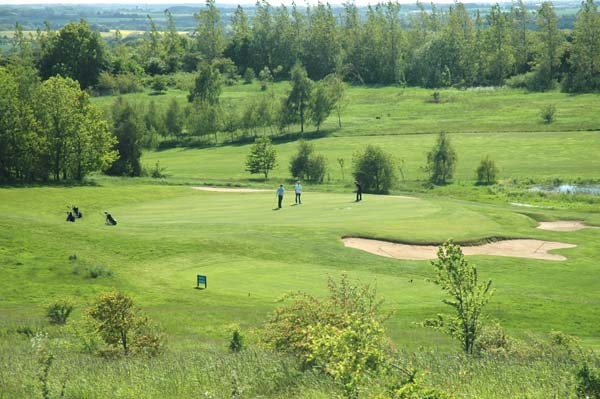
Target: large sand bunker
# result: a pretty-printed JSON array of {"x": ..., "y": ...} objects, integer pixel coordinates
[
  {"x": 564, "y": 225},
  {"x": 229, "y": 189},
  {"x": 522, "y": 248}
]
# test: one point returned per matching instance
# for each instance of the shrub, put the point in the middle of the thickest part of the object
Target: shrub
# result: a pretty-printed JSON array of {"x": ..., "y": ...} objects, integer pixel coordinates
[
  {"x": 99, "y": 271},
  {"x": 249, "y": 75},
  {"x": 58, "y": 312},
  {"x": 237, "y": 342},
  {"x": 307, "y": 166},
  {"x": 375, "y": 169},
  {"x": 548, "y": 113},
  {"x": 158, "y": 171},
  {"x": 486, "y": 172},
  {"x": 493, "y": 340},
  {"x": 121, "y": 325},
  {"x": 441, "y": 161},
  {"x": 588, "y": 382}
]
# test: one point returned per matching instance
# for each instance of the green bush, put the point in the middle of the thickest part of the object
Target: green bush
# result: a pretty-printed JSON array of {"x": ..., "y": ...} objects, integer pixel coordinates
[
  {"x": 588, "y": 382},
  {"x": 486, "y": 172},
  {"x": 548, "y": 113},
  {"x": 237, "y": 342},
  {"x": 59, "y": 311},
  {"x": 375, "y": 169}
]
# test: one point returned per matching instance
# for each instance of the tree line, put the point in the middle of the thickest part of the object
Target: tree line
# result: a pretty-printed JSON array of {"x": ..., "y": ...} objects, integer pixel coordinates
[{"x": 430, "y": 48}]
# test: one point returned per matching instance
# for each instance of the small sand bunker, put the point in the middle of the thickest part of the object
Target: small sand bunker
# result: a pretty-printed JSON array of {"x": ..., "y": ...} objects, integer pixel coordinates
[
  {"x": 228, "y": 189},
  {"x": 563, "y": 225},
  {"x": 522, "y": 248}
]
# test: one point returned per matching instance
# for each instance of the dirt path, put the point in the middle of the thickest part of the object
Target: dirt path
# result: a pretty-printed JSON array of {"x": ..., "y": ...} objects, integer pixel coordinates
[{"x": 523, "y": 248}]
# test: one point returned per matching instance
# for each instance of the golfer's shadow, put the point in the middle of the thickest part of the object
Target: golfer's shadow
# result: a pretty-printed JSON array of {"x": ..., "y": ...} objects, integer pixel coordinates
[{"x": 276, "y": 209}]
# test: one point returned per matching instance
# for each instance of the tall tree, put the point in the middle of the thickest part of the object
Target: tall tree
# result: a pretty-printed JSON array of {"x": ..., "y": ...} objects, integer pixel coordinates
[
  {"x": 262, "y": 46},
  {"x": 375, "y": 169},
  {"x": 239, "y": 46},
  {"x": 173, "y": 45},
  {"x": 210, "y": 38},
  {"x": 128, "y": 128},
  {"x": 207, "y": 86},
  {"x": 75, "y": 52},
  {"x": 298, "y": 99},
  {"x": 498, "y": 47},
  {"x": 521, "y": 43},
  {"x": 441, "y": 160},
  {"x": 322, "y": 102},
  {"x": 550, "y": 41},
  {"x": 322, "y": 47},
  {"x": 174, "y": 119},
  {"x": 584, "y": 62}
]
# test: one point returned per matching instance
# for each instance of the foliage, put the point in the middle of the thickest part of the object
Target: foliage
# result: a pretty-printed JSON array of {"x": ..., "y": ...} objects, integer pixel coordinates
[
  {"x": 322, "y": 102},
  {"x": 75, "y": 52},
  {"x": 262, "y": 157},
  {"x": 129, "y": 129},
  {"x": 120, "y": 324},
  {"x": 375, "y": 169},
  {"x": 486, "y": 171},
  {"x": 306, "y": 165},
  {"x": 59, "y": 311},
  {"x": 159, "y": 84},
  {"x": 158, "y": 172},
  {"x": 77, "y": 139},
  {"x": 249, "y": 75},
  {"x": 548, "y": 113},
  {"x": 459, "y": 280},
  {"x": 236, "y": 344},
  {"x": 441, "y": 161},
  {"x": 588, "y": 381},
  {"x": 297, "y": 102},
  {"x": 342, "y": 334},
  {"x": 207, "y": 85}
]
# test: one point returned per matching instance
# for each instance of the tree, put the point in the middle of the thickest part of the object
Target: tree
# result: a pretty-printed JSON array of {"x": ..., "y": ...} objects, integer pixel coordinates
[
  {"x": 205, "y": 119},
  {"x": 375, "y": 169},
  {"x": 77, "y": 136},
  {"x": 75, "y": 52},
  {"x": 322, "y": 47},
  {"x": 120, "y": 324},
  {"x": 321, "y": 104},
  {"x": 337, "y": 92},
  {"x": 210, "y": 40},
  {"x": 584, "y": 62},
  {"x": 499, "y": 53},
  {"x": 306, "y": 165},
  {"x": 299, "y": 97},
  {"x": 343, "y": 334},
  {"x": 441, "y": 161},
  {"x": 486, "y": 171},
  {"x": 550, "y": 41},
  {"x": 174, "y": 119},
  {"x": 207, "y": 86},
  {"x": 459, "y": 280},
  {"x": 129, "y": 129},
  {"x": 262, "y": 157}
]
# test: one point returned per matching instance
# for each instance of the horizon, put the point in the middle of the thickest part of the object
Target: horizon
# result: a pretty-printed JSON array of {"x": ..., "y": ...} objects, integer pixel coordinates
[{"x": 244, "y": 3}]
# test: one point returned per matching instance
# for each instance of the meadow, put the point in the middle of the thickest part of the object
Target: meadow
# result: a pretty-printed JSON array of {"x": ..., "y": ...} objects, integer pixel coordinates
[{"x": 253, "y": 254}]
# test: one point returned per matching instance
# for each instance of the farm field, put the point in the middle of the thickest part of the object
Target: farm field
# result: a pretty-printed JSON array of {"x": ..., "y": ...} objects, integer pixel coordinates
[{"x": 168, "y": 232}]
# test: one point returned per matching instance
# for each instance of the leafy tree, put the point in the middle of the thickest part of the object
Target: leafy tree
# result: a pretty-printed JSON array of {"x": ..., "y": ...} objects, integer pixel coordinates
[
  {"x": 306, "y": 165},
  {"x": 207, "y": 86},
  {"x": 78, "y": 138},
  {"x": 441, "y": 161},
  {"x": 298, "y": 99},
  {"x": 342, "y": 334},
  {"x": 205, "y": 119},
  {"x": 467, "y": 296},
  {"x": 22, "y": 147},
  {"x": 239, "y": 46},
  {"x": 121, "y": 324},
  {"x": 321, "y": 104},
  {"x": 75, "y": 52},
  {"x": 486, "y": 171},
  {"x": 210, "y": 39},
  {"x": 499, "y": 53},
  {"x": 129, "y": 129},
  {"x": 337, "y": 92},
  {"x": 173, "y": 45},
  {"x": 322, "y": 47},
  {"x": 550, "y": 41},
  {"x": 262, "y": 157},
  {"x": 375, "y": 169},
  {"x": 174, "y": 119},
  {"x": 584, "y": 62}
]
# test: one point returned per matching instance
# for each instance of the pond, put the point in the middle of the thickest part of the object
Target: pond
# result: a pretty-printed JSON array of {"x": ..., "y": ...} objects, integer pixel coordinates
[{"x": 592, "y": 189}]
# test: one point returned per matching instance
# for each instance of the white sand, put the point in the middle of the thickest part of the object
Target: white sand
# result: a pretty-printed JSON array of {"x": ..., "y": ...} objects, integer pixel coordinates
[{"x": 230, "y": 189}]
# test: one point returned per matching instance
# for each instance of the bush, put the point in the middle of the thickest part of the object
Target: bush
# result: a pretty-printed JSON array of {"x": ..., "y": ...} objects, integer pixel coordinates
[
  {"x": 58, "y": 312},
  {"x": 441, "y": 161},
  {"x": 375, "y": 170},
  {"x": 486, "y": 172},
  {"x": 548, "y": 113},
  {"x": 588, "y": 382},
  {"x": 307, "y": 166},
  {"x": 99, "y": 271},
  {"x": 237, "y": 342},
  {"x": 493, "y": 340},
  {"x": 249, "y": 75}
]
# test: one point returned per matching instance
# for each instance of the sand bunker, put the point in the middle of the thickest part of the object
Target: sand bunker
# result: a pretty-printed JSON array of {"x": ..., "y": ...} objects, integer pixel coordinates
[
  {"x": 564, "y": 225},
  {"x": 522, "y": 248},
  {"x": 229, "y": 189}
]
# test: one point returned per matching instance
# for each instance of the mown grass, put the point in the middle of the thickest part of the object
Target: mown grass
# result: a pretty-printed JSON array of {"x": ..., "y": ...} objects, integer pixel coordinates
[{"x": 253, "y": 254}]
